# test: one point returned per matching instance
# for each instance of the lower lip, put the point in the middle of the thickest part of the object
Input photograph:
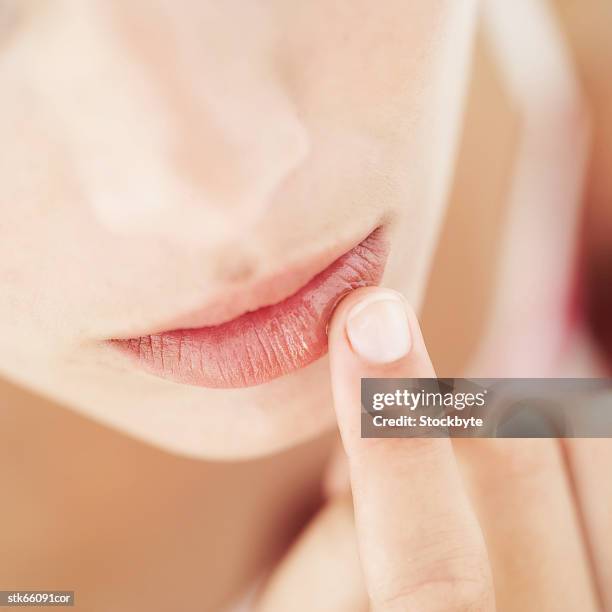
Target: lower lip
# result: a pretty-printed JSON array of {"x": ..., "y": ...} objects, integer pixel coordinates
[{"x": 267, "y": 343}]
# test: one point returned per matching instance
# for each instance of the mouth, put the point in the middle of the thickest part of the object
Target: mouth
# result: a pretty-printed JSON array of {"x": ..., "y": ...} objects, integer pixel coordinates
[{"x": 263, "y": 344}]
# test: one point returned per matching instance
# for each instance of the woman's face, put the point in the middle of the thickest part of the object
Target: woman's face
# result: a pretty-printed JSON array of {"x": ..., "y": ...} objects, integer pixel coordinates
[{"x": 168, "y": 167}]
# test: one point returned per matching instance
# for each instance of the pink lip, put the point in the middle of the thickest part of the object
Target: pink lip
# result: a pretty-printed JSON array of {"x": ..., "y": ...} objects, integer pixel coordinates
[{"x": 266, "y": 343}]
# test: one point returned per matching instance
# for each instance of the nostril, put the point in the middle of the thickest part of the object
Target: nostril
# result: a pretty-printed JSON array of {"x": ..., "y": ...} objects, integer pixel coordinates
[
  {"x": 241, "y": 165},
  {"x": 295, "y": 142},
  {"x": 281, "y": 156}
]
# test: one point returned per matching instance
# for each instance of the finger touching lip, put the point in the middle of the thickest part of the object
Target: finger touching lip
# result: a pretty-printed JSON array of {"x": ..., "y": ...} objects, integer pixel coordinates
[
  {"x": 271, "y": 341},
  {"x": 419, "y": 540}
]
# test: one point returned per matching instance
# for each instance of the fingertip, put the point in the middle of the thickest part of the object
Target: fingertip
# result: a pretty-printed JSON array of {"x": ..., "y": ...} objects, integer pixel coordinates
[
  {"x": 373, "y": 324},
  {"x": 373, "y": 334}
]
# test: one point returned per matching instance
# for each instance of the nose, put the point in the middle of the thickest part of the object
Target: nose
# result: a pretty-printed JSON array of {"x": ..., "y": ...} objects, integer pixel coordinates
[{"x": 177, "y": 117}]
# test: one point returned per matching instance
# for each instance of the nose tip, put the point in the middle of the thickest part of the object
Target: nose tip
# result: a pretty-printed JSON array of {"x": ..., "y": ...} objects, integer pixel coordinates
[
  {"x": 181, "y": 127},
  {"x": 200, "y": 190},
  {"x": 237, "y": 156},
  {"x": 205, "y": 183}
]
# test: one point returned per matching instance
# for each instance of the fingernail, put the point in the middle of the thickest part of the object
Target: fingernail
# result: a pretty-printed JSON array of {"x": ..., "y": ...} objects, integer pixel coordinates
[{"x": 377, "y": 328}]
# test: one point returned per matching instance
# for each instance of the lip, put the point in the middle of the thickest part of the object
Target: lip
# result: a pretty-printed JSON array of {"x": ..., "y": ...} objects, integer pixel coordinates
[{"x": 266, "y": 343}]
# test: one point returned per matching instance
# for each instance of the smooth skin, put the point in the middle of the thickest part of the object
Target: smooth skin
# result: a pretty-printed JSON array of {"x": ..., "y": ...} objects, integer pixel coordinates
[
  {"x": 433, "y": 525},
  {"x": 166, "y": 156}
]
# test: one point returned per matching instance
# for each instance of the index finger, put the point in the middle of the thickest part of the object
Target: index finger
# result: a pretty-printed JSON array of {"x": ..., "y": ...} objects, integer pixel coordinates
[{"x": 420, "y": 543}]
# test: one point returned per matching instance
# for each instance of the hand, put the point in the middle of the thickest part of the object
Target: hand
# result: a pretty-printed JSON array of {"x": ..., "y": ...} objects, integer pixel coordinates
[{"x": 437, "y": 526}]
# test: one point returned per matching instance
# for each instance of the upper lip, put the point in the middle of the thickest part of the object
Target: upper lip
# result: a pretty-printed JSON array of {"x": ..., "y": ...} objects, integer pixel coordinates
[{"x": 236, "y": 299}]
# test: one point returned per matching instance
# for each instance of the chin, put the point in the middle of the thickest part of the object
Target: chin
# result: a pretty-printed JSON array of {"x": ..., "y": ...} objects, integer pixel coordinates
[{"x": 201, "y": 423}]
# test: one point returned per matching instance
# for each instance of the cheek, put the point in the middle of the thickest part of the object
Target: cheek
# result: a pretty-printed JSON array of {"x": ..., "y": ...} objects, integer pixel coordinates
[
  {"x": 363, "y": 65},
  {"x": 34, "y": 187},
  {"x": 52, "y": 253}
]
